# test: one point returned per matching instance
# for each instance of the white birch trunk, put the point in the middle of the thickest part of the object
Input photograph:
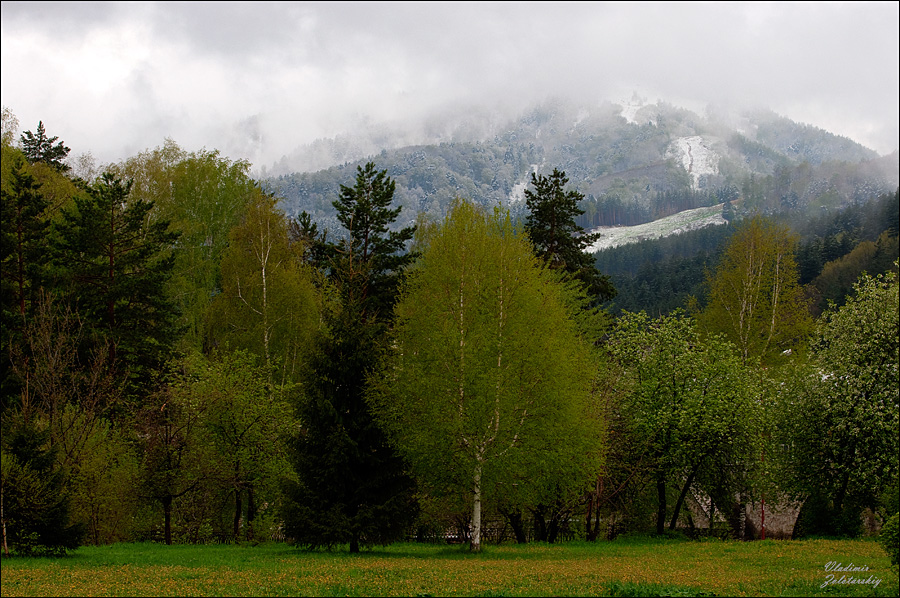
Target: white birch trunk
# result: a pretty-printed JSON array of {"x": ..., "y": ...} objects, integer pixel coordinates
[{"x": 475, "y": 546}]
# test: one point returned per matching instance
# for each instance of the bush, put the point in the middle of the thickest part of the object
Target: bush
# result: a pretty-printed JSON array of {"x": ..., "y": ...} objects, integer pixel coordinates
[
  {"x": 890, "y": 538},
  {"x": 35, "y": 501}
]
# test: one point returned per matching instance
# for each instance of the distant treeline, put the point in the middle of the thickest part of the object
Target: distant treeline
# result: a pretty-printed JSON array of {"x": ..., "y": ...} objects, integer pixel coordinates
[
  {"x": 833, "y": 248},
  {"x": 612, "y": 210}
]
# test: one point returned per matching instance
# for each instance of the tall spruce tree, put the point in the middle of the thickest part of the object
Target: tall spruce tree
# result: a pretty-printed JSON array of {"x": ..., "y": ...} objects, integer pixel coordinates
[
  {"x": 36, "y": 503},
  {"x": 352, "y": 486},
  {"x": 22, "y": 248},
  {"x": 112, "y": 263},
  {"x": 23, "y": 238},
  {"x": 557, "y": 239},
  {"x": 40, "y": 148}
]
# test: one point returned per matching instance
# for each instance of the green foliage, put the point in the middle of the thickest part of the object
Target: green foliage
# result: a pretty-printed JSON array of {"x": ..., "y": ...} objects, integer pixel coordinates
[
  {"x": 351, "y": 486},
  {"x": 889, "y": 538},
  {"x": 23, "y": 240},
  {"x": 487, "y": 371},
  {"x": 840, "y": 415},
  {"x": 369, "y": 262},
  {"x": 557, "y": 239},
  {"x": 40, "y": 148},
  {"x": 22, "y": 260},
  {"x": 754, "y": 297},
  {"x": 104, "y": 474},
  {"x": 240, "y": 429},
  {"x": 174, "y": 460},
  {"x": 36, "y": 509},
  {"x": 688, "y": 414},
  {"x": 204, "y": 196},
  {"x": 112, "y": 263},
  {"x": 268, "y": 304}
]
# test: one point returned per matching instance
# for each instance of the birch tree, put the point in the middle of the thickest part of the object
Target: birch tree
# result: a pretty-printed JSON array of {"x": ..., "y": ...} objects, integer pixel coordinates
[
  {"x": 485, "y": 392},
  {"x": 268, "y": 304},
  {"x": 755, "y": 298}
]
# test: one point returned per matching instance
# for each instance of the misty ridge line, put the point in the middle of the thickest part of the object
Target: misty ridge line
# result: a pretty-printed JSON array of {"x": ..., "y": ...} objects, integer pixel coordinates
[{"x": 628, "y": 152}]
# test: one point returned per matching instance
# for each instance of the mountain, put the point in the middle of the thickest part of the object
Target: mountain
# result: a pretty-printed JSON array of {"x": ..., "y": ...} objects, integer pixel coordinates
[{"x": 634, "y": 162}]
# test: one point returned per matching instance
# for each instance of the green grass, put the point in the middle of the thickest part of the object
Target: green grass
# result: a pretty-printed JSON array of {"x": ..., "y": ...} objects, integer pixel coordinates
[{"x": 635, "y": 567}]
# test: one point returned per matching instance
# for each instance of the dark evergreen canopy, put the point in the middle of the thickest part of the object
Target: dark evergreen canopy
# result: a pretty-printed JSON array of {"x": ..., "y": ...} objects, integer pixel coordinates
[
  {"x": 557, "y": 239},
  {"x": 352, "y": 487},
  {"x": 40, "y": 148},
  {"x": 112, "y": 261}
]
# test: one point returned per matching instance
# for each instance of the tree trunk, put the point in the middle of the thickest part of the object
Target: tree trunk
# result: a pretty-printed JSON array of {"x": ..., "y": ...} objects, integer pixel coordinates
[
  {"x": 540, "y": 524},
  {"x": 354, "y": 543},
  {"x": 475, "y": 545},
  {"x": 554, "y": 526},
  {"x": 682, "y": 495},
  {"x": 167, "y": 509},
  {"x": 590, "y": 533},
  {"x": 251, "y": 513},
  {"x": 238, "y": 509},
  {"x": 3, "y": 520},
  {"x": 518, "y": 526},
  {"x": 661, "y": 509}
]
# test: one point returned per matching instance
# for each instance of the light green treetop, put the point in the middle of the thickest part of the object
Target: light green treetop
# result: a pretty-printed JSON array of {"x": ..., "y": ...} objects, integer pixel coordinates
[{"x": 487, "y": 390}]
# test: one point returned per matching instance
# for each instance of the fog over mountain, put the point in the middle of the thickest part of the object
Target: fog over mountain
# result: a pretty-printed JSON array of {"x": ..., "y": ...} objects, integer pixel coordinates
[
  {"x": 634, "y": 162},
  {"x": 275, "y": 83}
]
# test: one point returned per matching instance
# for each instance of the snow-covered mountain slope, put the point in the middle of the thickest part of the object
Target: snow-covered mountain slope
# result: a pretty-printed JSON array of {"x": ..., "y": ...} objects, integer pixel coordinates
[{"x": 613, "y": 236}]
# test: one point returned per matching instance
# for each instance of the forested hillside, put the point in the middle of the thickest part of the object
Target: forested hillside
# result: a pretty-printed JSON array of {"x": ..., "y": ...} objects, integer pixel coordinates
[{"x": 633, "y": 164}]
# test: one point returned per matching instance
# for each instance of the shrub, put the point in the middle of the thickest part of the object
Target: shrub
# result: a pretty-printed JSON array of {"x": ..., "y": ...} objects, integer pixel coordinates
[{"x": 890, "y": 538}]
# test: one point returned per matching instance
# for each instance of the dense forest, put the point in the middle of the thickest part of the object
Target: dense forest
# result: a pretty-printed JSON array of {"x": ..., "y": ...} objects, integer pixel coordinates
[
  {"x": 190, "y": 355},
  {"x": 833, "y": 249}
]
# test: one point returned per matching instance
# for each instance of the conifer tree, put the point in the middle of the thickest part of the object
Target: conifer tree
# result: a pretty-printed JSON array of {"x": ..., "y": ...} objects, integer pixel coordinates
[
  {"x": 352, "y": 487},
  {"x": 557, "y": 239},
  {"x": 112, "y": 263},
  {"x": 40, "y": 148},
  {"x": 36, "y": 508},
  {"x": 23, "y": 238},
  {"x": 369, "y": 262},
  {"x": 22, "y": 248}
]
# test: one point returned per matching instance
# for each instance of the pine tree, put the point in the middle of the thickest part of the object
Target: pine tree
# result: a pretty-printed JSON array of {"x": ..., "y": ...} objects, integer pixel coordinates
[
  {"x": 352, "y": 487},
  {"x": 40, "y": 148},
  {"x": 23, "y": 239},
  {"x": 112, "y": 263},
  {"x": 557, "y": 239},
  {"x": 36, "y": 510},
  {"x": 22, "y": 248},
  {"x": 369, "y": 262}
]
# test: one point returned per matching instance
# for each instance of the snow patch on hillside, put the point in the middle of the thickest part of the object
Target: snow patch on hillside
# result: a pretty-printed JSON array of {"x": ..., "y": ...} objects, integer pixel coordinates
[
  {"x": 629, "y": 111},
  {"x": 637, "y": 111},
  {"x": 696, "y": 156},
  {"x": 613, "y": 236},
  {"x": 517, "y": 194}
]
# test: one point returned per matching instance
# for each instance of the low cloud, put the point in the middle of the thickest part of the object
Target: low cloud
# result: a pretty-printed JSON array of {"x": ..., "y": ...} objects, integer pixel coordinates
[{"x": 256, "y": 80}]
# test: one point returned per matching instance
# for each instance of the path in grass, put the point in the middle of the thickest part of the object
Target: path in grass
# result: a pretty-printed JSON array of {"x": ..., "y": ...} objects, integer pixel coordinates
[{"x": 576, "y": 569}]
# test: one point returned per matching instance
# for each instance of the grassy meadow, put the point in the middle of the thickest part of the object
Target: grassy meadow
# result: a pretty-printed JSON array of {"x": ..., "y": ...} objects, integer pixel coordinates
[{"x": 621, "y": 568}]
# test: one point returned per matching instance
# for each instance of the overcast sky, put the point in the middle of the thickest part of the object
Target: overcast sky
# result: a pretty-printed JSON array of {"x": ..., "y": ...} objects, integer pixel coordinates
[{"x": 256, "y": 80}]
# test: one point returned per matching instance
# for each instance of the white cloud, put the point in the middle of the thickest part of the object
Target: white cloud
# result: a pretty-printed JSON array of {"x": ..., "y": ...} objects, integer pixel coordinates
[{"x": 263, "y": 78}]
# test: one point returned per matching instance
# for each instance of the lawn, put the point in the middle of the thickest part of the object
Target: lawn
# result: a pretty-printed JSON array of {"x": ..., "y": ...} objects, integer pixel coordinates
[{"x": 623, "y": 567}]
